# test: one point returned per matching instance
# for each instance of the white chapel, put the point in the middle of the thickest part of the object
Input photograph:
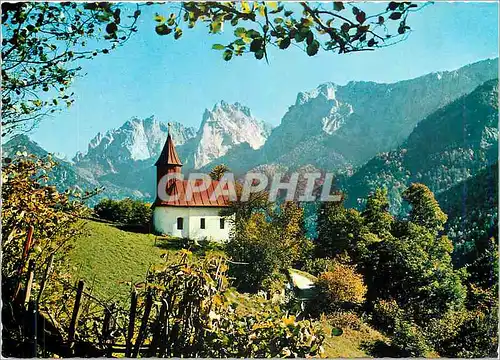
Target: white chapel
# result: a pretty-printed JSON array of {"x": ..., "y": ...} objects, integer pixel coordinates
[{"x": 196, "y": 218}]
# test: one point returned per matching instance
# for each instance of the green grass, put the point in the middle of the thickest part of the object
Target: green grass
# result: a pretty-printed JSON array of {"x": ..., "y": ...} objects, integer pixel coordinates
[
  {"x": 352, "y": 343},
  {"x": 106, "y": 258}
]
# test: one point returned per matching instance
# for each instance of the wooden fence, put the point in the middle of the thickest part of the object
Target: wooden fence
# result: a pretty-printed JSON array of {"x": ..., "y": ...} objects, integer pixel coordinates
[{"x": 41, "y": 334}]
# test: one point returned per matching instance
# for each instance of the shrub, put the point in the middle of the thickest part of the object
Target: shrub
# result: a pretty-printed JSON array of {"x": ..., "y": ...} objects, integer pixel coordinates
[
  {"x": 385, "y": 313},
  {"x": 344, "y": 319},
  {"x": 340, "y": 288},
  {"x": 409, "y": 340},
  {"x": 126, "y": 211}
]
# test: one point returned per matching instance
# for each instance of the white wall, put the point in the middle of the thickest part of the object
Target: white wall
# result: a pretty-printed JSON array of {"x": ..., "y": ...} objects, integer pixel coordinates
[{"x": 165, "y": 222}]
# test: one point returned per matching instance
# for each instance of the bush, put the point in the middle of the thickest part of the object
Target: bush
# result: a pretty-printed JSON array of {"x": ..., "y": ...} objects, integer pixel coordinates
[
  {"x": 126, "y": 211},
  {"x": 342, "y": 287},
  {"x": 385, "y": 313},
  {"x": 409, "y": 340},
  {"x": 344, "y": 319}
]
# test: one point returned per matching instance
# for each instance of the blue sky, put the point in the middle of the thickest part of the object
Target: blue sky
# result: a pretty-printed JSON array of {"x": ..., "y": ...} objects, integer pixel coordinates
[{"x": 178, "y": 80}]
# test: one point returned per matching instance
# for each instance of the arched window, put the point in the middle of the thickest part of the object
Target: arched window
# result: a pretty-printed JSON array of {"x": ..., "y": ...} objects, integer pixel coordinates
[
  {"x": 202, "y": 223},
  {"x": 180, "y": 223},
  {"x": 222, "y": 223}
]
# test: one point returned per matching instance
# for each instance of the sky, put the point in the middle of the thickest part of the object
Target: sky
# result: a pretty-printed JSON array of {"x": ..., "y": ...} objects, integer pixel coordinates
[{"x": 178, "y": 80}]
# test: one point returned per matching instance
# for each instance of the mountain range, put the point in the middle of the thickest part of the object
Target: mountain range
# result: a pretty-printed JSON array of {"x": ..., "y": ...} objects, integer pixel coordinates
[{"x": 439, "y": 129}]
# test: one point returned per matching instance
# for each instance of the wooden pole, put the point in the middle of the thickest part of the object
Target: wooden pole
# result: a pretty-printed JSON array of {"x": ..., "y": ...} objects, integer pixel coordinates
[
  {"x": 131, "y": 322},
  {"x": 144, "y": 324},
  {"x": 29, "y": 282},
  {"x": 158, "y": 329},
  {"x": 46, "y": 275},
  {"x": 105, "y": 325},
  {"x": 107, "y": 328},
  {"x": 76, "y": 312},
  {"x": 33, "y": 326},
  {"x": 26, "y": 248}
]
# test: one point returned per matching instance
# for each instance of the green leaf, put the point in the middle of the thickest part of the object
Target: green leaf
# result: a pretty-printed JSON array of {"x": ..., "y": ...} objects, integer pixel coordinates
[
  {"x": 395, "y": 15},
  {"x": 240, "y": 32},
  {"x": 227, "y": 55},
  {"x": 299, "y": 37},
  {"x": 111, "y": 28},
  {"x": 338, "y": 6},
  {"x": 178, "y": 33},
  {"x": 256, "y": 45},
  {"x": 253, "y": 34},
  {"x": 284, "y": 43},
  {"x": 259, "y": 54},
  {"x": 312, "y": 49},
  {"x": 309, "y": 38},
  {"x": 392, "y": 5},
  {"x": 218, "y": 47},
  {"x": 163, "y": 29},
  {"x": 159, "y": 18}
]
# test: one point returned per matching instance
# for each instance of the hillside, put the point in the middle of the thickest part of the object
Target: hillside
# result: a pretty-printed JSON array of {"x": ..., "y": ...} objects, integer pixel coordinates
[
  {"x": 449, "y": 146},
  {"x": 472, "y": 208},
  {"x": 108, "y": 258}
]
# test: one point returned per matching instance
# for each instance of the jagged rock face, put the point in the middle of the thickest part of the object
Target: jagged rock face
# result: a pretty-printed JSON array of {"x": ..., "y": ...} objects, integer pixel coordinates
[
  {"x": 136, "y": 140},
  {"x": 223, "y": 128},
  {"x": 352, "y": 123}
]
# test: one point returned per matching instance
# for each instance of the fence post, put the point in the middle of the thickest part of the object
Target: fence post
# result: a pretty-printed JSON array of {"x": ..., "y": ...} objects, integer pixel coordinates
[
  {"x": 106, "y": 329},
  {"x": 105, "y": 325},
  {"x": 131, "y": 322},
  {"x": 144, "y": 323},
  {"x": 76, "y": 312},
  {"x": 158, "y": 329},
  {"x": 29, "y": 282},
  {"x": 46, "y": 274},
  {"x": 27, "y": 245},
  {"x": 33, "y": 329}
]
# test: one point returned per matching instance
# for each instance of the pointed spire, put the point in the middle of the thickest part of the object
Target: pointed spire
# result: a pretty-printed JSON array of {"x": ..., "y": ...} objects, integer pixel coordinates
[{"x": 168, "y": 155}]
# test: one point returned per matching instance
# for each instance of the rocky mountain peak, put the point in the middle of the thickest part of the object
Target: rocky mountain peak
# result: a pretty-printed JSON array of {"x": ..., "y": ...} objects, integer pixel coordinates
[
  {"x": 324, "y": 91},
  {"x": 224, "y": 127},
  {"x": 136, "y": 140}
]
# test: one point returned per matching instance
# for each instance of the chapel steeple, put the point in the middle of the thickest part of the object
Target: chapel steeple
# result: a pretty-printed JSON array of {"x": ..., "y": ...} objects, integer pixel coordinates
[{"x": 169, "y": 159}]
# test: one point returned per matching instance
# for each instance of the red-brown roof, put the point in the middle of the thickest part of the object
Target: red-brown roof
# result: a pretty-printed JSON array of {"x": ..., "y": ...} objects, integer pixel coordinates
[
  {"x": 198, "y": 198},
  {"x": 168, "y": 155}
]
